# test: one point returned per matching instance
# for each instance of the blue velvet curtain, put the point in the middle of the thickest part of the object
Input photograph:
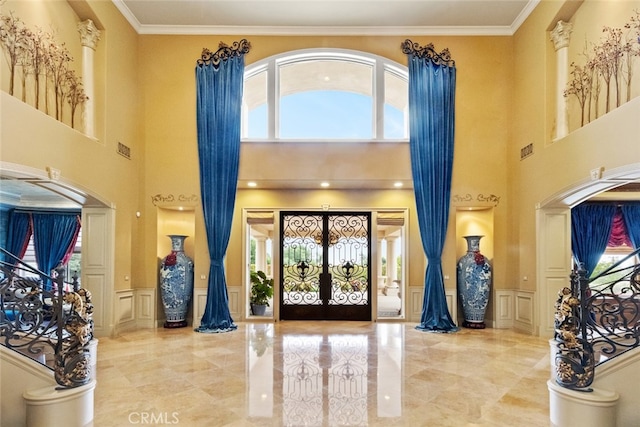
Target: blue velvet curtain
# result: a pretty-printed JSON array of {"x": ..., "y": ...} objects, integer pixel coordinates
[
  {"x": 4, "y": 227},
  {"x": 631, "y": 215},
  {"x": 590, "y": 229},
  {"x": 219, "y": 81},
  {"x": 432, "y": 84},
  {"x": 18, "y": 234},
  {"x": 54, "y": 236}
]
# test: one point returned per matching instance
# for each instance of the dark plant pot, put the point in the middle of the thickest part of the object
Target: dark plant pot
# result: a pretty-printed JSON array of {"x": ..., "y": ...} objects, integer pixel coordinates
[{"x": 258, "y": 310}]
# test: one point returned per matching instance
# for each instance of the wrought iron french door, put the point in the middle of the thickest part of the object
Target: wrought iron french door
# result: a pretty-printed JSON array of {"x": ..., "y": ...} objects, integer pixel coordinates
[{"x": 325, "y": 274}]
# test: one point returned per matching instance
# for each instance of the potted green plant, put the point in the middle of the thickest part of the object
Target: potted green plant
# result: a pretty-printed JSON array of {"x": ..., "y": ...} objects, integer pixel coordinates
[{"x": 261, "y": 291}]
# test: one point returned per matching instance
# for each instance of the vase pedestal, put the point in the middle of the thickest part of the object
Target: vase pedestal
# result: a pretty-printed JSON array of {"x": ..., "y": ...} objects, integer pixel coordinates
[
  {"x": 176, "y": 324},
  {"x": 474, "y": 325}
]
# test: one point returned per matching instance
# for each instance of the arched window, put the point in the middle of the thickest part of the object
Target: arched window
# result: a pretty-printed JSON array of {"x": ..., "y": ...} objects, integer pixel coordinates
[{"x": 320, "y": 94}]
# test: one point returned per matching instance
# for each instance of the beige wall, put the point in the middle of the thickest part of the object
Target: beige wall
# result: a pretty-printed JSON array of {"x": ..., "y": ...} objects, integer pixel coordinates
[
  {"x": 532, "y": 101},
  {"x": 484, "y": 78}
]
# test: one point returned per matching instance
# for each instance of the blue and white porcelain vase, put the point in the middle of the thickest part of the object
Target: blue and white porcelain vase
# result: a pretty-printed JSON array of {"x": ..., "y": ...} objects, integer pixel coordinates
[
  {"x": 176, "y": 283},
  {"x": 474, "y": 283}
]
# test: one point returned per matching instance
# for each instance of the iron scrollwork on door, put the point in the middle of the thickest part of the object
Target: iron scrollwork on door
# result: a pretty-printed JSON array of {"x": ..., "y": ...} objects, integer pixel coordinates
[
  {"x": 302, "y": 260},
  {"x": 349, "y": 259},
  {"x": 325, "y": 265}
]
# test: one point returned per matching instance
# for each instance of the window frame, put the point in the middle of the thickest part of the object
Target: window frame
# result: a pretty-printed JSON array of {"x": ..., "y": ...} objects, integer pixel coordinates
[
  {"x": 271, "y": 66},
  {"x": 29, "y": 258}
]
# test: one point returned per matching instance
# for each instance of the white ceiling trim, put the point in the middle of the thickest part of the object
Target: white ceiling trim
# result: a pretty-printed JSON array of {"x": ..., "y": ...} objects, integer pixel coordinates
[
  {"x": 326, "y": 30},
  {"x": 129, "y": 16},
  {"x": 523, "y": 15},
  {"x": 323, "y": 31}
]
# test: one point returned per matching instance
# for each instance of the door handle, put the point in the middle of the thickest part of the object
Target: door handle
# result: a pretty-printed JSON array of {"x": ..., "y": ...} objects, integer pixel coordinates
[{"x": 325, "y": 285}]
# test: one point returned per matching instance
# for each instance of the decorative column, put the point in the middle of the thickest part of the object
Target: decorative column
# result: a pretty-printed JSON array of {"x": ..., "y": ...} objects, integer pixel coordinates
[
  {"x": 261, "y": 254},
  {"x": 381, "y": 283},
  {"x": 560, "y": 37},
  {"x": 392, "y": 255},
  {"x": 89, "y": 36}
]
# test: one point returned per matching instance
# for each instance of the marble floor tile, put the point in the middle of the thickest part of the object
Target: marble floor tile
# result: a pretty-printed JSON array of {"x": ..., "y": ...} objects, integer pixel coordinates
[{"x": 322, "y": 374}]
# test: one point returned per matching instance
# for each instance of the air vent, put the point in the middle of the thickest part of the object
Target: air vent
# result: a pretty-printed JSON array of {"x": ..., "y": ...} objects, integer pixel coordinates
[
  {"x": 526, "y": 151},
  {"x": 124, "y": 150}
]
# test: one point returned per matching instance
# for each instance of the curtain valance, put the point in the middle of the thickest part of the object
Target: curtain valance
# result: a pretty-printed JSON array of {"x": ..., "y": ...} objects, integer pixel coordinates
[
  {"x": 225, "y": 52},
  {"x": 428, "y": 53}
]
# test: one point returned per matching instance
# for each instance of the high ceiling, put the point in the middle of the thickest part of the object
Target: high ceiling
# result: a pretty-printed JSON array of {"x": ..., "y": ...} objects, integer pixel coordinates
[{"x": 327, "y": 17}]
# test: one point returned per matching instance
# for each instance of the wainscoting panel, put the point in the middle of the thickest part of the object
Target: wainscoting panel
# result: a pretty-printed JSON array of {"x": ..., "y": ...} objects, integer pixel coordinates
[
  {"x": 415, "y": 303},
  {"x": 504, "y": 309},
  {"x": 234, "y": 301},
  {"x": 524, "y": 312},
  {"x": 452, "y": 303},
  {"x": 125, "y": 310},
  {"x": 199, "y": 305},
  {"x": 145, "y": 307}
]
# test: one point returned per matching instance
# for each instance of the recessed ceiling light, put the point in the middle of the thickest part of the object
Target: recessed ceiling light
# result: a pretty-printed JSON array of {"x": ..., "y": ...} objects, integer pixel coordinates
[
  {"x": 324, "y": 184},
  {"x": 251, "y": 184},
  {"x": 397, "y": 184}
]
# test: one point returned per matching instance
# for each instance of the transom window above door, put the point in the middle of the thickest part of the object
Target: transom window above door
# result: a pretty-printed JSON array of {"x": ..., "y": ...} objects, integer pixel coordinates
[{"x": 320, "y": 94}]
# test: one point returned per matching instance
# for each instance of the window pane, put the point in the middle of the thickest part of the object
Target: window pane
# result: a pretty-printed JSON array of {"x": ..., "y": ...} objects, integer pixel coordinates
[
  {"x": 396, "y": 101},
  {"x": 326, "y": 114},
  {"x": 326, "y": 99},
  {"x": 607, "y": 260},
  {"x": 254, "y": 100}
]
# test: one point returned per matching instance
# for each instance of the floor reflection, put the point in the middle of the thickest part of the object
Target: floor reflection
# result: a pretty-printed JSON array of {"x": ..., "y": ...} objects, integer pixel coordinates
[
  {"x": 348, "y": 372},
  {"x": 326, "y": 376},
  {"x": 323, "y": 374}
]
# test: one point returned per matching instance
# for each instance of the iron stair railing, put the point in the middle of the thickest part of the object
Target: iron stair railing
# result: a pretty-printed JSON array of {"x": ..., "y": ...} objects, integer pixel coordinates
[
  {"x": 47, "y": 319},
  {"x": 596, "y": 320}
]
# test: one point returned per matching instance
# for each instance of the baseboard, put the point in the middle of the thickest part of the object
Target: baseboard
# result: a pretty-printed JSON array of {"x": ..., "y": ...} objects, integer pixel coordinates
[{"x": 135, "y": 308}]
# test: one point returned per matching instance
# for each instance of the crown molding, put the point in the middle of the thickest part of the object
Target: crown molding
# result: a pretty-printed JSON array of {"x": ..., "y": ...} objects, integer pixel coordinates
[
  {"x": 403, "y": 31},
  {"x": 325, "y": 30}
]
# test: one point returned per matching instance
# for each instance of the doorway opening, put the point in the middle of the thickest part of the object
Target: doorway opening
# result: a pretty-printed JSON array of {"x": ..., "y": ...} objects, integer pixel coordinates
[{"x": 325, "y": 271}]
